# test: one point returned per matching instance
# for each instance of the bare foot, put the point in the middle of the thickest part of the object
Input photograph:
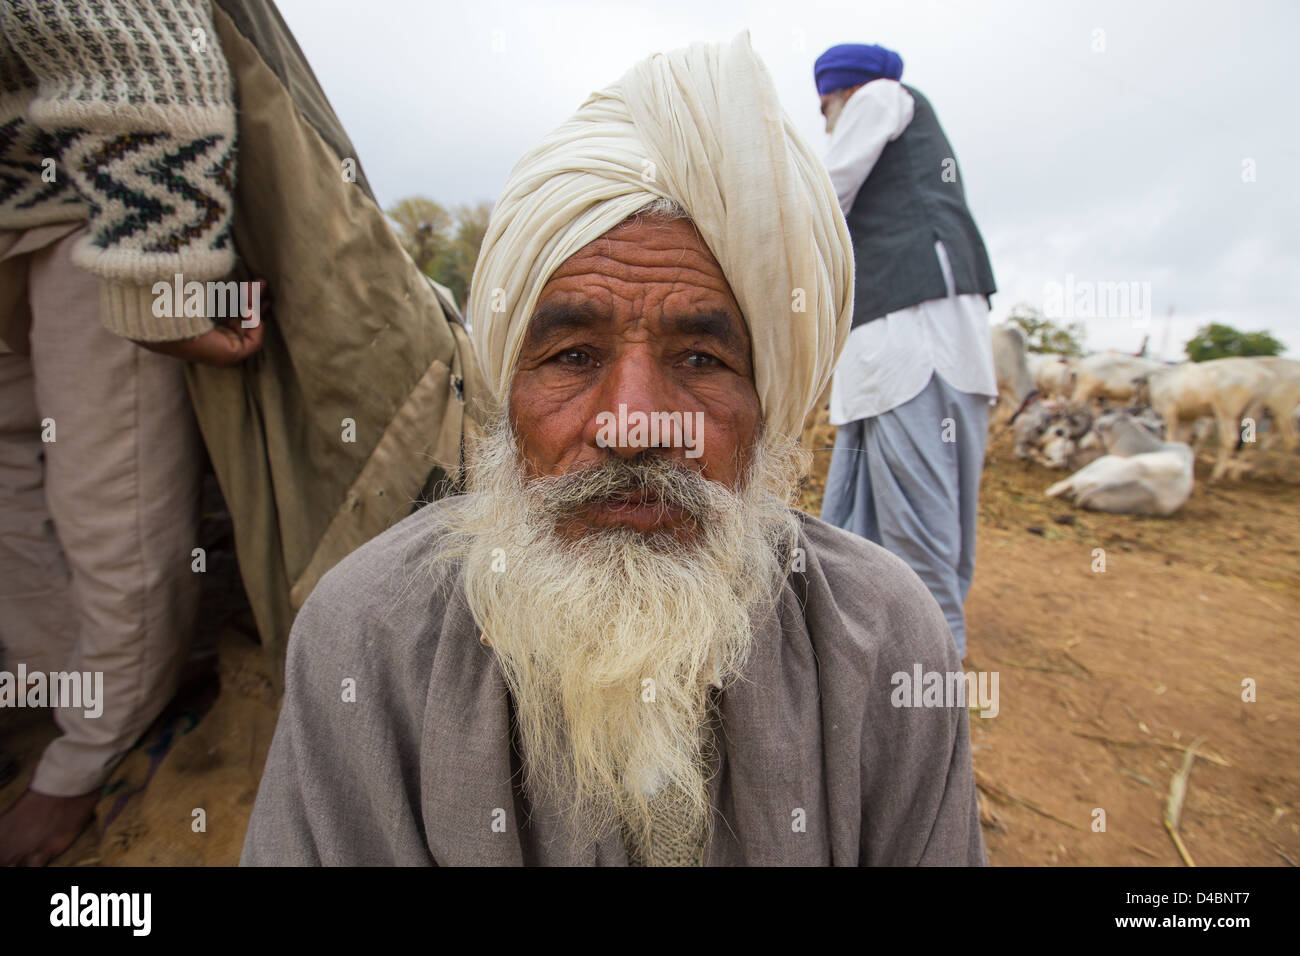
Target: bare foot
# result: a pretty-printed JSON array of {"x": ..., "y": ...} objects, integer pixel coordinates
[{"x": 38, "y": 827}]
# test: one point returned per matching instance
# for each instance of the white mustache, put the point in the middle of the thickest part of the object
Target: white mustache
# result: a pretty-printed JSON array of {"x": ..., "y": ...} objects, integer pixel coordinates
[{"x": 647, "y": 477}]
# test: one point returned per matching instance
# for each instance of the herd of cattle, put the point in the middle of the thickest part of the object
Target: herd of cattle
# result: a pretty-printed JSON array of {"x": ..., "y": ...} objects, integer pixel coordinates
[{"x": 1116, "y": 421}]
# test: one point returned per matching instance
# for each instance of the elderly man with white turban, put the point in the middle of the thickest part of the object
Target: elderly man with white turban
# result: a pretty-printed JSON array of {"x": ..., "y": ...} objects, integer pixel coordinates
[{"x": 622, "y": 646}]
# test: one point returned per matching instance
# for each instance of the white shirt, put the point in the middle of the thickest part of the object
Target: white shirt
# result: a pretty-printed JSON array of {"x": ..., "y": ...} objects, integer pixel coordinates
[
  {"x": 875, "y": 115},
  {"x": 889, "y": 361}
]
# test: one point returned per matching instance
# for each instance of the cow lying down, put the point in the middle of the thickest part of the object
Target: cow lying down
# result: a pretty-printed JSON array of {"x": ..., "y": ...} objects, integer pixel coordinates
[
  {"x": 1056, "y": 435},
  {"x": 1139, "y": 475}
]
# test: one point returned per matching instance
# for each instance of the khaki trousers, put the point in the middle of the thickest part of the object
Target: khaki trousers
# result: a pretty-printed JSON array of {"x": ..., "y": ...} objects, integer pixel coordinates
[{"x": 98, "y": 524}]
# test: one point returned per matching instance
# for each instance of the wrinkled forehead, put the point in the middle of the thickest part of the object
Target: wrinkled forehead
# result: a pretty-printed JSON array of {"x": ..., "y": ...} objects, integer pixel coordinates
[{"x": 648, "y": 269}]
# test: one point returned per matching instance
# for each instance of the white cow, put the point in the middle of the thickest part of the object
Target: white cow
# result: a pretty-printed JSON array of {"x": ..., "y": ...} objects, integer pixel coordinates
[
  {"x": 1281, "y": 398},
  {"x": 1109, "y": 375},
  {"x": 1223, "y": 388},
  {"x": 1053, "y": 374},
  {"x": 1049, "y": 431},
  {"x": 1128, "y": 432},
  {"x": 1140, "y": 475},
  {"x": 1015, "y": 383}
]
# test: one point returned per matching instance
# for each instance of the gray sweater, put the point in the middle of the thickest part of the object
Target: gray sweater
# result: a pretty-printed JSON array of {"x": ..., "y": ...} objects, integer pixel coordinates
[{"x": 814, "y": 765}]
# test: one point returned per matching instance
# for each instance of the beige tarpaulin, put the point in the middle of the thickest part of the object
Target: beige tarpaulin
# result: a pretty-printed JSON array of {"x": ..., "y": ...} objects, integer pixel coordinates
[{"x": 357, "y": 403}]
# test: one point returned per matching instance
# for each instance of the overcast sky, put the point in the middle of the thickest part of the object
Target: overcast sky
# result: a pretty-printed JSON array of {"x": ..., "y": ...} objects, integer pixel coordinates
[{"x": 1107, "y": 141}]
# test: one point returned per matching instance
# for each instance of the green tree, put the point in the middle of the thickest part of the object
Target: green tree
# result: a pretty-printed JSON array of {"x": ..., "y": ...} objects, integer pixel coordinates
[
  {"x": 423, "y": 228},
  {"x": 444, "y": 244},
  {"x": 1223, "y": 341},
  {"x": 454, "y": 266},
  {"x": 1044, "y": 335}
]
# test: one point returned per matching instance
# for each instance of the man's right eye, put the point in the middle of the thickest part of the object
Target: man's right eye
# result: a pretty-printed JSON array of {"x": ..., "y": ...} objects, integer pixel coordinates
[{"x": 575, "y": 357}]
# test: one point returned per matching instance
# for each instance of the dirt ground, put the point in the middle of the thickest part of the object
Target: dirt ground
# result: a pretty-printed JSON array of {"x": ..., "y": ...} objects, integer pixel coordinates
[{"x": 1106, "y": 678}]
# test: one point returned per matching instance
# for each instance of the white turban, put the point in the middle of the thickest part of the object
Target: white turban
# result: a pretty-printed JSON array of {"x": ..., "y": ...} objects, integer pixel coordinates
[{"x": 702, "y": 126}]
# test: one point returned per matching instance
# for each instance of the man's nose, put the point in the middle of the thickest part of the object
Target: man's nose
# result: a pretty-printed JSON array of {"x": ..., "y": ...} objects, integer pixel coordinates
[{"x": 634, "y": 395}]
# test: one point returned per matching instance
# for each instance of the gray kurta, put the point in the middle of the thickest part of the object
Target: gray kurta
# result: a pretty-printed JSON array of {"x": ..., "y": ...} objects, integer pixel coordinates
[{"x": 814, "y": 764}]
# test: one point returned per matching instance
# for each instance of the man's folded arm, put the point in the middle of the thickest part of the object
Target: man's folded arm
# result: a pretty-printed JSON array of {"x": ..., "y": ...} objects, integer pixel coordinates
[
  {"x": 955, "y": 837},
  {"x": 279, "y": 831},
  {"x": 331, "y": 792},
  {"x": 918, "y": 786}
]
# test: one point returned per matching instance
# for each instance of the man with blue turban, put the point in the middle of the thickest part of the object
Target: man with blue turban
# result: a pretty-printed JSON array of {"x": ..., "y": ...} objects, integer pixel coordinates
[{"x": 911, "y": 390}]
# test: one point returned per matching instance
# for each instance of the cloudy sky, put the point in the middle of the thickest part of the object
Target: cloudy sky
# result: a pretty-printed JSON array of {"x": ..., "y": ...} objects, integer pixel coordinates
[{"x": 1134, "y": 141}]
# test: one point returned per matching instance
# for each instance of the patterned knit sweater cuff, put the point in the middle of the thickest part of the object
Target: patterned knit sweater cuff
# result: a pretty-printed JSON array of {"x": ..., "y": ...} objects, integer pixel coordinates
[{"x": 133, "y": 312}]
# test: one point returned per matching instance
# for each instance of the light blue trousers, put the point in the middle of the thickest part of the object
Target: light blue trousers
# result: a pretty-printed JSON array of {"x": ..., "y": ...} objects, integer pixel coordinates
[{"x": 909, "y": 480}]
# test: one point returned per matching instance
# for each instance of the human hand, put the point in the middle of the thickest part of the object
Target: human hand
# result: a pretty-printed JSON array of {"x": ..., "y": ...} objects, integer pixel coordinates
[{"x": 225, "y": 344}]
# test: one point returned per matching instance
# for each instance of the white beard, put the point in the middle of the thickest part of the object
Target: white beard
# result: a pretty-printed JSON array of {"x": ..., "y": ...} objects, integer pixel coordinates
[{"x": 609, "y": 643}]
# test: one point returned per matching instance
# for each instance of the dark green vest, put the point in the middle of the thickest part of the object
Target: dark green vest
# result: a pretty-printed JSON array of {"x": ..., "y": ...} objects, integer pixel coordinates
[{"x": 912, "y": 198}]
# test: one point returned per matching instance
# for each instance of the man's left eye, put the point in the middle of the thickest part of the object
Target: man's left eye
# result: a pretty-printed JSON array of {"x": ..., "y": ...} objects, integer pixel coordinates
[{"x": 702, "y": 360}]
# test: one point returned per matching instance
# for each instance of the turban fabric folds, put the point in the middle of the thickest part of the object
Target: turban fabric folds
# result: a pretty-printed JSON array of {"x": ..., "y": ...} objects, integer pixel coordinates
[
  {"x": 702, "y": 126},
  {"x": 852, "y": 64}
]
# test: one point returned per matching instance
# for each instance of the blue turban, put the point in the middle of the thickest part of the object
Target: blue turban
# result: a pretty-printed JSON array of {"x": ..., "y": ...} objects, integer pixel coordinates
[{"x": 852, "y": 64}]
